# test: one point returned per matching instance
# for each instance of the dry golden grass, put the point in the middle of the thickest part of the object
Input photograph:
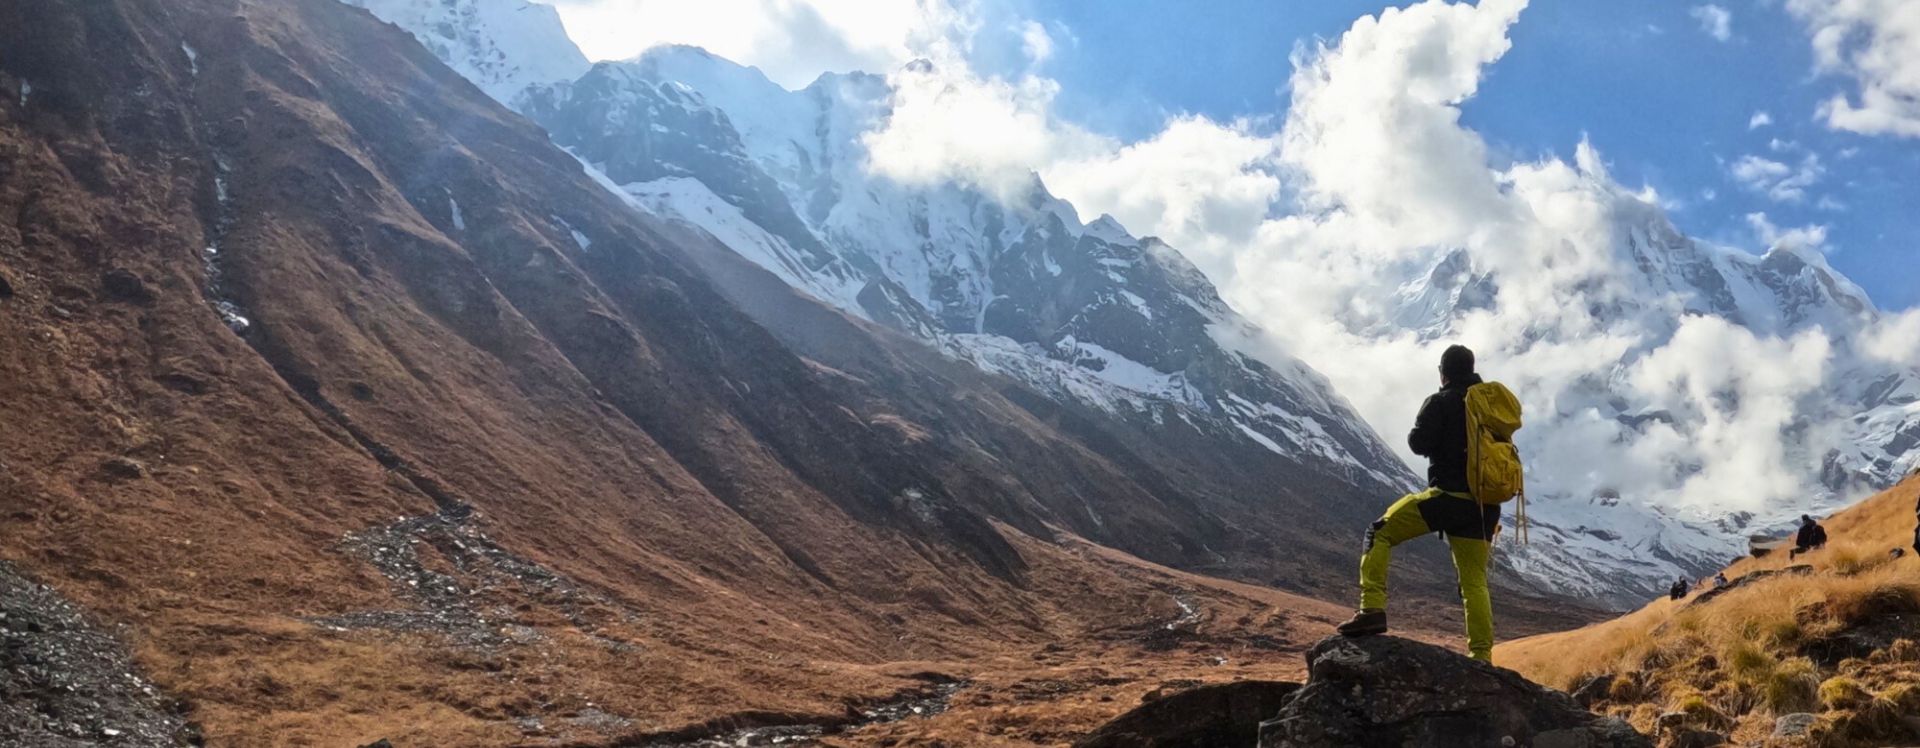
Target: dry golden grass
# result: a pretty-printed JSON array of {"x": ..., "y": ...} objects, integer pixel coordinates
[{"x": 1735, "y": 660}]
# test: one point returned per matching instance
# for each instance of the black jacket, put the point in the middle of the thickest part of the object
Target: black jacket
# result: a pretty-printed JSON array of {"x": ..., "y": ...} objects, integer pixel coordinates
[
  {"x": 1440, "y": 435},
  {"x": 1810, "y": 536}
]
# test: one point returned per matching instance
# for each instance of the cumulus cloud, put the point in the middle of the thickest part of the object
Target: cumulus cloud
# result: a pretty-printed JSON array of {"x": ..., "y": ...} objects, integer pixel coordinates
[
  {"x": 1877, "y": 44},
  {"x": 1035, "y": 42},
  {"x": 1715, "y": 21},
  {"x": 1895, "y": 339},
  {"x": 1811, "y": 236},
  {"x": 1201, "y": 185},
  {"x": 1778, "y": 181},
  {"x": 1758, "y": 120},
  {"x": 948, "y": 122}
]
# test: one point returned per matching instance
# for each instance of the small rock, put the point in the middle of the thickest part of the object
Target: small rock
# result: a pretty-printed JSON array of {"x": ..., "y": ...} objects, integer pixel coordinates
[
  {"x": 1595, "y": 689},
  {"x": 122, "y": 284},
  {"x": 1794, "y": 725},
  {"x": 123, "y": 468}
]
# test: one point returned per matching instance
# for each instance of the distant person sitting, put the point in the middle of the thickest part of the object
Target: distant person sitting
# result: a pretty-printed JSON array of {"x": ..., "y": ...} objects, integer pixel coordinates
[
  {"x": 1679, "y": 589},
  {"x": 1810, "y": 536},
  {"x": 1720, "y": 580}
]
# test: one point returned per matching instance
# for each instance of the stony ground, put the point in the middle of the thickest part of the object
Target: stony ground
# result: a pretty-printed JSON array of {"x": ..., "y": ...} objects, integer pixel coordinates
[{"x": 65, "y": 682}]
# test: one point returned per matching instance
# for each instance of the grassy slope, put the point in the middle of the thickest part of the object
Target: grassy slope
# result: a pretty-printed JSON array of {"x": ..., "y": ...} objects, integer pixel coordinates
[{"x": 1738, "y": 660}]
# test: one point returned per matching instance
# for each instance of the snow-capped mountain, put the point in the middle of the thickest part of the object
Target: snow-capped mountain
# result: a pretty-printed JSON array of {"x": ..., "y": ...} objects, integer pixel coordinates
[{"x": 1080, "y": 310}]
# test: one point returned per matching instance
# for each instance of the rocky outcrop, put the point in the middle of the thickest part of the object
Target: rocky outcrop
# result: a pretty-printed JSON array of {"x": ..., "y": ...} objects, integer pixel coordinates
[
  {"x": 1386, "y": 691},
  {"x": 66, "y": 683},
  {"x": 1220, "y": 714}
]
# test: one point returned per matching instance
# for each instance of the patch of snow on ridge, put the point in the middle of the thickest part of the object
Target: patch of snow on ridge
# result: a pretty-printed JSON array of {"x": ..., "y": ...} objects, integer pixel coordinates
[{"x": 690, "y": 201}]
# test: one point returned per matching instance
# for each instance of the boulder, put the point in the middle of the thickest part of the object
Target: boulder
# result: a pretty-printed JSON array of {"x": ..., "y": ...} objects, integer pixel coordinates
[
  {"x": 122, "y": 468},
  {"x": 1794, "y": 725},
  {"x": 1387, "y": 691},
  {"x": 1222, "y": 714},
  {"x": 122, "y": 284}
]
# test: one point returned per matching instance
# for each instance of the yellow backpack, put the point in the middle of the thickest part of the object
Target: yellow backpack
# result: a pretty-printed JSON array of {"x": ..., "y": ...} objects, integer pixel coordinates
[{"x": 1494, "y": 474}]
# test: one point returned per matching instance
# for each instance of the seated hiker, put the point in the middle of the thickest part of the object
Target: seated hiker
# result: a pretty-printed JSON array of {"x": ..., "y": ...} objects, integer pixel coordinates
[
  {"x": 1720, "y": 580},
  {"x": 1679, "y": 589},
  {"x": 1448, "y": 422},
  {"x": 1809, "y": 537}
]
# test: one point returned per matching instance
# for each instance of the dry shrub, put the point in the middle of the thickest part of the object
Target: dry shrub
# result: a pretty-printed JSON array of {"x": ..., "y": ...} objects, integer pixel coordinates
[
  {"x": 1855, "y": 606},
  {"x": 1793, "y": 687},
  {"x": 1699, "y": 710},
  {"x": 1626, "y": 688},
  {"x": 1904, "y": 650},
  {"x": 1904, "y": 697},
  {"x": 1746, "y": 660},
  {"x": 1843, "y": 693}
]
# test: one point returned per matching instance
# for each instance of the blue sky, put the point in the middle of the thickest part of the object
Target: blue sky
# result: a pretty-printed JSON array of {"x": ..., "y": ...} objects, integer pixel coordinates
[{"x": 1667, "y": 104}]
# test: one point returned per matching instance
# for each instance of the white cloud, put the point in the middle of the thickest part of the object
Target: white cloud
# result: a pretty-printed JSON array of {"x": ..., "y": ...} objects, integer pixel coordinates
[
  {"x": 1778, "y": 181},
  {"x": 1203, "y": 186},
  {"x": 1805, "y": 237},
  {"x": 1758, "y": 120},
  {"x": 1896, "y": 339},
  {"x": 1877, "y": 44},
  {"x": 949, "y": 123},
  {"x": 1716, "y": 21},
  {"x": 1035, "y": 42}
]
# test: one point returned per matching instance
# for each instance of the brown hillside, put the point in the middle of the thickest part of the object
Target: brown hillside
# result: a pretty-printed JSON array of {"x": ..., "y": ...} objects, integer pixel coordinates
[{"x": 1820, "y": 633}]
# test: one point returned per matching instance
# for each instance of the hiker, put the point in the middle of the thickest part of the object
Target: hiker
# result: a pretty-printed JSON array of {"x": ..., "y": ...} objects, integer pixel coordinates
[
  {"x": 1441, "y": 433},
  {"x": 1810, "y": 536},
  {"x": 1720, "y": 580},
  {"x": 1679, "y": 589}
]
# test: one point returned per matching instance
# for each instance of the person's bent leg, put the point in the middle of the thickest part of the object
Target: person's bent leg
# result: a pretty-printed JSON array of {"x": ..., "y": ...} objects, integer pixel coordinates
[
  {"x": 1401, "y": 523},
  {"x": 1470, "y": 558}
]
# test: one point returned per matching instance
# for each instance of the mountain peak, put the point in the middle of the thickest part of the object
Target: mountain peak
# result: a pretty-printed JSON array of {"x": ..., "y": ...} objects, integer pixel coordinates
[
  {"x": 502, "y": 46},
  {"x": 1107, "y": 229}
]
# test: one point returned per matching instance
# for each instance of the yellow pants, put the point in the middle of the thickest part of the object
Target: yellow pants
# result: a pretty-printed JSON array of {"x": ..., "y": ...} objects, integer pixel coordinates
[{"x": 1468, "y": 526}]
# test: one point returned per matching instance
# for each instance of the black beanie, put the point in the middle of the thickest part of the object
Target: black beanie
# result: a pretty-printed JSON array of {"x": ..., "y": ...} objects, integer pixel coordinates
[{"x": 1456, "y": 362}]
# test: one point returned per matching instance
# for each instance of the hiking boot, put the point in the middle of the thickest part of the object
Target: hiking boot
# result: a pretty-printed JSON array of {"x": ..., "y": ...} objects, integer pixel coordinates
[{"x": 1367, "y": 622}]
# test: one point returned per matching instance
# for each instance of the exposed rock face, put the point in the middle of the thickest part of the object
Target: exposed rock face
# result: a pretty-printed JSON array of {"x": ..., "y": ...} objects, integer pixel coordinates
[
  {"x": 1222, "y": 714},
  {"x": 1386, "y": 691}
]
